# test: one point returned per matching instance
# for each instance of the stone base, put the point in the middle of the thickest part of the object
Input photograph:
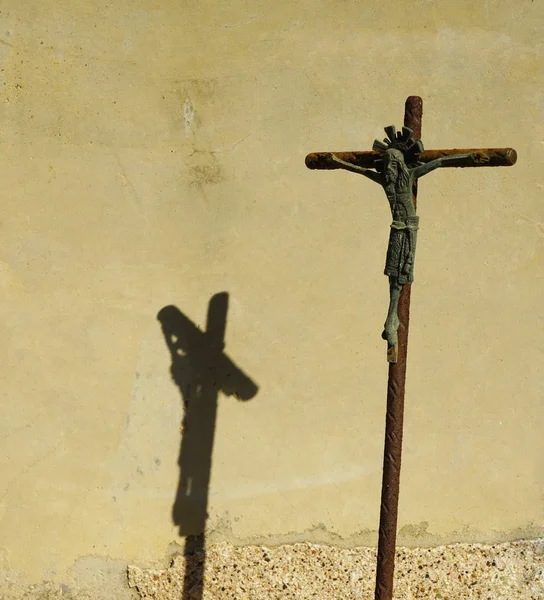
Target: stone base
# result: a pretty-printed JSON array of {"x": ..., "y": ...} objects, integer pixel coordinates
[{"x": 509, "y": 571}]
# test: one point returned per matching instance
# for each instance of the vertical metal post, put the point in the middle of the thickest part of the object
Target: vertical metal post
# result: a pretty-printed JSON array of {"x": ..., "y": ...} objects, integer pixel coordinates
[{"x": 395, "y": 414}]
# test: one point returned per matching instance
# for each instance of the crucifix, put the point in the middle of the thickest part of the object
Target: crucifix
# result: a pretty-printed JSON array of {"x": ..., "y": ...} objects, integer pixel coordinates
[
  {"x": 201, "y": 369},
  {"x": 396, "y": 164}
]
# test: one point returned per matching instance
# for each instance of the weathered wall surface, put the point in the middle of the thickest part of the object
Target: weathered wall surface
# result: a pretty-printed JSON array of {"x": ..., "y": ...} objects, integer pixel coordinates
[{"x": 153, "y": 155}]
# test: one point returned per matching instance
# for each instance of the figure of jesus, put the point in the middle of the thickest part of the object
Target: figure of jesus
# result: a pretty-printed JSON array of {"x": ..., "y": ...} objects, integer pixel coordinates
[{"x": 397, "y": 168}]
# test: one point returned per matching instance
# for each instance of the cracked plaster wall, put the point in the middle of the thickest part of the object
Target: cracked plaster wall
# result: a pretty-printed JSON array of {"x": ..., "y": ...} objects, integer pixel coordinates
[{"x": 153, "y": 154}]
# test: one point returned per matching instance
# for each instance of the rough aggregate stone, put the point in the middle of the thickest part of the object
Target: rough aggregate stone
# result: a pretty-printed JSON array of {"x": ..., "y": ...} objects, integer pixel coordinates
[{"x": 508, "y": 571}]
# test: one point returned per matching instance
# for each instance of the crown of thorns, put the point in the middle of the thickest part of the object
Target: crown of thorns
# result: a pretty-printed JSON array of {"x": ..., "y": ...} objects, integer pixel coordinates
[{"x": 402, "y": 141}]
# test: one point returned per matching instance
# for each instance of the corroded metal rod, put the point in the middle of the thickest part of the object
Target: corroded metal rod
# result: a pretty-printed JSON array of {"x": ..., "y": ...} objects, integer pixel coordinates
[
  {"x": 395, "y": 415},
  {"x": 498, "y": 157}
]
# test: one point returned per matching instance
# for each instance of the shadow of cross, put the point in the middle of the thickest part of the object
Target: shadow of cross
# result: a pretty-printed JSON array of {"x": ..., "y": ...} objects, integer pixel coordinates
[{"x": 201, "y": 369}]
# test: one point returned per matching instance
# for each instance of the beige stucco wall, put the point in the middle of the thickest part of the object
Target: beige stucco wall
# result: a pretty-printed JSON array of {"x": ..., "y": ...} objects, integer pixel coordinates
[{"x": 153, "y": 154}]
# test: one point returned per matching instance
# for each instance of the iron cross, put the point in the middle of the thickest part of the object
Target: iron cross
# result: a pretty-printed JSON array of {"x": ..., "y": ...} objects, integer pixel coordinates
[{"x": 396, "y": 164}]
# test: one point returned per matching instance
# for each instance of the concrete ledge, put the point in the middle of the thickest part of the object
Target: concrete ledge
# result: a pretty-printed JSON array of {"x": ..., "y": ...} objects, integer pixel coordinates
[{"x": 509, "y": 571}]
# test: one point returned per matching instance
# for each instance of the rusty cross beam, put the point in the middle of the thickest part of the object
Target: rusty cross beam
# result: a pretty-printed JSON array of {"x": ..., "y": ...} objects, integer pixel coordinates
[
  {"x": 498, "y": 157},
  {"x": 486, "y": 157}
]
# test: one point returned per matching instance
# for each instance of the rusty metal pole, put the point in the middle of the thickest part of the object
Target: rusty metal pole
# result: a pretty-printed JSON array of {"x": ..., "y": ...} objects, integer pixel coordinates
[{"x": 395, "y": 414}]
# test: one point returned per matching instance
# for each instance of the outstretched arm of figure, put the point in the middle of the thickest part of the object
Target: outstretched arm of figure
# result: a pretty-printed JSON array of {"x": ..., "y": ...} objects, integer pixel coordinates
[
  {"x": 373, "y": 175},
  {"x": 444, "y": 161}
]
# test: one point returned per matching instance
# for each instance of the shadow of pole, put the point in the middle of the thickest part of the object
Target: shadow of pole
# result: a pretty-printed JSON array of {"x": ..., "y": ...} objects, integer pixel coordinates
[{"x": 200, "y": 369}]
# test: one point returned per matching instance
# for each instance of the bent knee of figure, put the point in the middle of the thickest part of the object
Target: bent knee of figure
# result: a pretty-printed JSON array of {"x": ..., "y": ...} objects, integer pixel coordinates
[
  {"x": 391, "y": 324},
  {"x": 389, "y": 334}
]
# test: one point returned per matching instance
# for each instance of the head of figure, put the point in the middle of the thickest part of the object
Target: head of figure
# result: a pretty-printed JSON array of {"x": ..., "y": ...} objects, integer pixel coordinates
[
  {"x": 394, "y": 167},
  {"x": 391, "y": 160}
]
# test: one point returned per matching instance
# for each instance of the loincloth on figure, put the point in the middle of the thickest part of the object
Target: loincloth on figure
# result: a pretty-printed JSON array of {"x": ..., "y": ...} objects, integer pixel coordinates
[{"x": 399, "y": 262}]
